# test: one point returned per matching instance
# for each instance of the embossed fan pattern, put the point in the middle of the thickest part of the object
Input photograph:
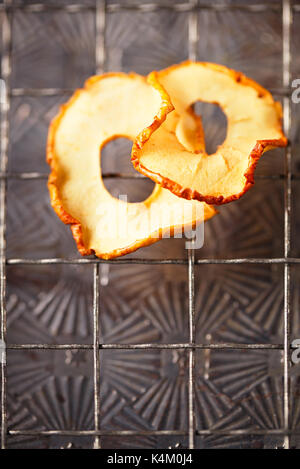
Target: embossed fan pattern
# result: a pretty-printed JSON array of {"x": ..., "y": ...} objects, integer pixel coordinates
[{"x": 146, "y": 390}]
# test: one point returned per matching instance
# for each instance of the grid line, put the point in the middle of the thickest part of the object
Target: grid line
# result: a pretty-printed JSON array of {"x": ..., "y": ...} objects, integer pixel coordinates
[
  {"x": 139, "y": 261},
  {"x": 100, "y": 8},
  {"x": 99, "y": 66},
  {"x": 149, "y": 7},
  {"x": 192, "y": 349},
  {"x": 46, "y": 92},
  {"x": 187, "y": 346},
  {"x": 28, "y": 176},
  {"x": 242, "y": 432},
  {"x": 6, "y": 74},
  {"x": 192, "y": 50},
  {"x": 286, "y": 78},
  {"x": 96, "y": 353}
]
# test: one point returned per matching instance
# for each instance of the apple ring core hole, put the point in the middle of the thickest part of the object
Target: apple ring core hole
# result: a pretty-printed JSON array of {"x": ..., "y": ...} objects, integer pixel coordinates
[
  {"x": 214, "y": 123},
  {"x": 115, "y": 160}
]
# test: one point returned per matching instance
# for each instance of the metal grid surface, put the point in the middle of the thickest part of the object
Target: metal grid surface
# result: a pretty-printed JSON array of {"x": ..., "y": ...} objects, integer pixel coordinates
[{"x": 7, "y": 10}]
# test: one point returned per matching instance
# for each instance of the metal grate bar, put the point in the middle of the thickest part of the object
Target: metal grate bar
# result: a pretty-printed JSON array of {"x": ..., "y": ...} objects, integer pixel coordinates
[
  {"x": 194, "y": 6},
  {"x": 42, "y": 92},
  {"x": 100, "y": 53},
  {"x": 150, "y": 7},
  {"x": 287, "y": 22},
  {"x": 6, "y": 74},
  {"x": 100, "y": 64},
  {"x": 187, "y": 346},
  {"x": 46, "y": 92},
  {"x": 96, "y": 353},
  {"x": 242, "y": 432},
  {"x": 28, "y": 176},
  {"x": 192, "y": 48},
  {"x": 36, "y": 175},
  {"x": 78, "y": 261},
  {"x": 192, "y": 348}
]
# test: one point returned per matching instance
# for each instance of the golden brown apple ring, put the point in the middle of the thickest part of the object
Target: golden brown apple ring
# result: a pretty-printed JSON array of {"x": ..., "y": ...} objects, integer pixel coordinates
[
  {"x": 254, "y": 126},
  {"x": 110, "y": 106}
]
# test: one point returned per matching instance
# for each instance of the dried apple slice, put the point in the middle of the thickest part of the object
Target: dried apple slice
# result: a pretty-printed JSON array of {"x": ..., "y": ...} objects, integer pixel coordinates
[
  {"x": 254, "y": 126},
  {"x": 111, "y": 106}
]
